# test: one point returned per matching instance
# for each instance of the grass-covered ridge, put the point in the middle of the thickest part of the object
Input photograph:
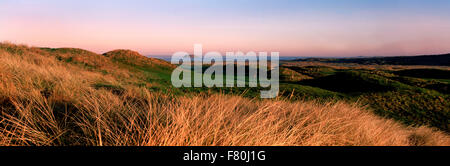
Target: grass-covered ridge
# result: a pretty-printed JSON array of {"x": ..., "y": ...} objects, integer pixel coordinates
[{"x": 76, "y": 97}]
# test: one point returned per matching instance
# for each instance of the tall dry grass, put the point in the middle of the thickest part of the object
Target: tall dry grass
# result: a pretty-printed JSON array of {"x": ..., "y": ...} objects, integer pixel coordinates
[{"x": 47, "y": 102}]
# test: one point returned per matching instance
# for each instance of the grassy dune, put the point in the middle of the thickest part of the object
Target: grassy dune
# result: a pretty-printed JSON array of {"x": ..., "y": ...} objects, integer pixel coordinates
[{"x": 75, "y": 97}]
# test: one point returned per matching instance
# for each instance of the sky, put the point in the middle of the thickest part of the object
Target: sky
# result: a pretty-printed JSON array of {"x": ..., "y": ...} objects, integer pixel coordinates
[{"x": 291, "y": 27}]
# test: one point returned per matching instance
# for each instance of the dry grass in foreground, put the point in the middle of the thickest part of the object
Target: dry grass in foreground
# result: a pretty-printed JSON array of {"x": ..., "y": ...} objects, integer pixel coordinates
[
  {"x": 47, "y": 102},
  {"x": 154, "y": 119}
]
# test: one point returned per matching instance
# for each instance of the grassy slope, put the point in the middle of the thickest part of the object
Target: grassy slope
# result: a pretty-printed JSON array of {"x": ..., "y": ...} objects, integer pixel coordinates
[
  {"x": 75, "y": 97},
  {"x": 413, "y": 101}
]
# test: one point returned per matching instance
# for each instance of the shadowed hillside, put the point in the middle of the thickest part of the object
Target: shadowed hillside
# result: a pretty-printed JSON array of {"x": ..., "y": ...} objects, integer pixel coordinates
[
  {"x": 425, "y": 73},
  {"x": 413, "y": 96}
]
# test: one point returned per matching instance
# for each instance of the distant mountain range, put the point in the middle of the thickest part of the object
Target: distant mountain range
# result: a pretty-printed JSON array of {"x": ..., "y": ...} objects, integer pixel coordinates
[{"x": 429, "y": 60}]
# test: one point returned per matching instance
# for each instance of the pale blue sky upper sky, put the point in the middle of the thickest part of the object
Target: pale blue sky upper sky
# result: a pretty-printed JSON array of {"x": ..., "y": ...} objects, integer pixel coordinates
[{"x": 292, "y": 27}]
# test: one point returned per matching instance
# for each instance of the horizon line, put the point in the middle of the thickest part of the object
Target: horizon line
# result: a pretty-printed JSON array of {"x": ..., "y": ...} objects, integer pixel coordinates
[{"x": 292, "y": 56}]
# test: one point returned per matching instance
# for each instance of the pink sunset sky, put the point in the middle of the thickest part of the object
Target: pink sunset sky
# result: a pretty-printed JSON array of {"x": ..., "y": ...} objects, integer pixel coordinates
[{"x": 293, "y": 28}]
